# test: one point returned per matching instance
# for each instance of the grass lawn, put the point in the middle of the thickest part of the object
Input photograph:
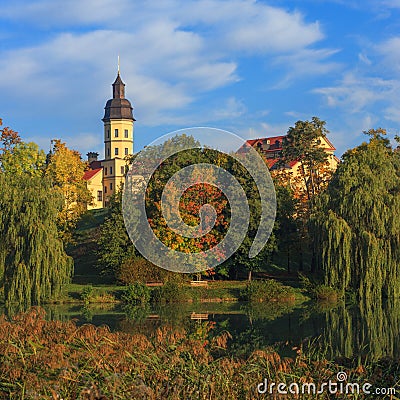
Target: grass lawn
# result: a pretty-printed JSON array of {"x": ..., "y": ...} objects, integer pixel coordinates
[{"x": 105, "y": 293}]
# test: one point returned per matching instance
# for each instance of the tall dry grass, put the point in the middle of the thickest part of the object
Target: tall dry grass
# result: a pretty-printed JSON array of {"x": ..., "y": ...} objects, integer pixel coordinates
[{"x": 42, "y": 359}]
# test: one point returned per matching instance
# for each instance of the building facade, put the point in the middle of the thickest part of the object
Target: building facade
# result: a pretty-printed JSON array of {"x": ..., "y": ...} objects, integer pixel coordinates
[
  {"x": 271, "y": 150},
  {"x": 105, "y": 176}
]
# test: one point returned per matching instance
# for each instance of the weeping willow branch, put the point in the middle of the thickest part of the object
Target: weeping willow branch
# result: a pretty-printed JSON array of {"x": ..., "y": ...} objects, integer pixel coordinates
[
  {"x": 32, "y": 256},
  {"x": 356, "y": 226}
]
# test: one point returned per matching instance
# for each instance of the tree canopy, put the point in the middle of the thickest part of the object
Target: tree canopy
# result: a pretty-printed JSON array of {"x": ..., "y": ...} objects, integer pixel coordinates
[
  {"x": 66, "y": 169},
  {"x": 18, "y": 157},
  {"x": 33, "y": 259},
  {"x": 357, "y": 221},
  {"x": 33, "y": 263}
]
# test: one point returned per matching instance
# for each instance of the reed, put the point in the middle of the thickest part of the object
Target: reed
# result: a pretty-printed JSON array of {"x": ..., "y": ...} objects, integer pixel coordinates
[{"x": 53, "y": 360}]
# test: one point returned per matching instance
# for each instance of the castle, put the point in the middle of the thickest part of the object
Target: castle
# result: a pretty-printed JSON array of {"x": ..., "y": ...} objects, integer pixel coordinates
[
  {"x": 271, "y": 150},
  {"x": 105, "y": 176}
]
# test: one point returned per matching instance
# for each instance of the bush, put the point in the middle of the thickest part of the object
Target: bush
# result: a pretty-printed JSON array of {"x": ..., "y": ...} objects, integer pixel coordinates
[
  {"x": 324, "y": 292},
  {"x": 136, "y": 293},
  {"x": 139, "y": 269},
  {"x": 269, "y": 290},
  {"x": 170, "y": 292},
  {"x": 319, "y": 291},
  {"x": 87, "y": 294}
]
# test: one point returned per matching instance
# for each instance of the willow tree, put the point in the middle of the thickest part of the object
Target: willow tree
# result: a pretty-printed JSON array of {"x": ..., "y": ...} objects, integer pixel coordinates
[
  {"x": 357, "y": 225},
  {"x": 35, "y": 264}
]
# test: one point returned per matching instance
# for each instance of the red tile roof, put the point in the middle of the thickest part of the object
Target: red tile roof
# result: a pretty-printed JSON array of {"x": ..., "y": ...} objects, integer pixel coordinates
[
  {"x": 89, "y": 174},
  {"x": 272, "y": 140}
]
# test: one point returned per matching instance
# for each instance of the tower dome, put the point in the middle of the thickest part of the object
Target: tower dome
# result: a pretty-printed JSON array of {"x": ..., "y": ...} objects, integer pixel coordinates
[{"x": 118, "y": 107}]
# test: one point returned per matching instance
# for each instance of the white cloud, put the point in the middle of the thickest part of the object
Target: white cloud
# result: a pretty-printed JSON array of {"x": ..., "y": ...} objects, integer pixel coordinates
[
  {"x": 391, "y": 3},
  {"x": 174, "y": 53},
  {"x": 356, "y": 93},
  {"x": 364, "y": 58},
  {"x": 69, "y": 66},
  {"x": 171, "y": 52},
  {"x": 53, "y": 13},
  {"x": 264, "y": 129},
  {"x": 305, "y": 62},
  {"x": 392, "y": 113},
  {"x": 233, "y": 108},
  {"x": 390, "y": 51},
  {"x": 236, "y": 24}
]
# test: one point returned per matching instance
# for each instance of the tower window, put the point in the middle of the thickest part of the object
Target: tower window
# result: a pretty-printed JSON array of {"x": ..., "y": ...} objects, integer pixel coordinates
[
  {"x": 108, "y": 133},
  {"x": 122, "y": 170},
  {"x": 99, "y": 195},
  {"x": 126, "y": 133},
  {"x": 105, "y": 171},
  {"x": 110, "y": 170},
  {"x": 105, "y": 189},
  {"x": 116, "y": 151},
  {"x": 111, "y": 186},
  {"x": 126, "y": 151},
  {"x": 108, "y": 152},
  {"x": 116, "y": 132}
]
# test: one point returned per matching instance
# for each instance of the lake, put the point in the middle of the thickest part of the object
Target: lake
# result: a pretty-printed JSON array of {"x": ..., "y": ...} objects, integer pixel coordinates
[{"x": 340, "y": 330}]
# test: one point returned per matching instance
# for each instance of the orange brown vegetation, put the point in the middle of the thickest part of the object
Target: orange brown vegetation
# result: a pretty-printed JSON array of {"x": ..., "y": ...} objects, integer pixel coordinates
[{"x": 42, "y": 359}]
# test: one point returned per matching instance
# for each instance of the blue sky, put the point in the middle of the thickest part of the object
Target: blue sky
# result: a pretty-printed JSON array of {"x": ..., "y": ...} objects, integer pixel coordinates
[{"x": 250, "y": 67}]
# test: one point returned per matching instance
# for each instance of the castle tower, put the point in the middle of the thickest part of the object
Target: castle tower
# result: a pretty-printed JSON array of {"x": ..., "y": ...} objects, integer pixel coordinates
[{"x": 118, "y": 138}]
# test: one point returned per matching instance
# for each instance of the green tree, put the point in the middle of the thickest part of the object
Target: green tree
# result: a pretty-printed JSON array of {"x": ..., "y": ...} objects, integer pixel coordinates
[
  {"x": 25, "y": 158},
  {"x": 33, "y": 259},
  {"x": 357, "y": 221},
  {"x": 286, "y": 227},
  {"x": 240, "y": 262},
  {"x": 303, "y": 145},
  {"x": 114, "y": 244},
  {"x": 66, "y": 169},
  {"x": 18, "y": 157}
]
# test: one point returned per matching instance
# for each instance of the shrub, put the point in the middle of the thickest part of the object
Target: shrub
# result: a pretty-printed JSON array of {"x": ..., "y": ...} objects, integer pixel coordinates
[
  {"x": 170, "y": 292},
  {"x": 268, "y": 290},
  {"x": 87, "y": 294},
  {"x": 139, "y": 269},
  {"x": 136, "y": 293},
  {"x": 317, "y": 290},
  {"x": 324, "y": 292}
]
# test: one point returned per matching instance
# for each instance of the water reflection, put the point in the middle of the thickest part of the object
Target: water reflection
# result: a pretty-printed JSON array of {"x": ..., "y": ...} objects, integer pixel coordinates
[{"x": 371, "y": 330}]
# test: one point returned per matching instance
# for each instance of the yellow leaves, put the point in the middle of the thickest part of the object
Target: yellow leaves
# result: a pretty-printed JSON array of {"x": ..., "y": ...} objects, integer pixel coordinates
[{"x": 66, "y": 170}]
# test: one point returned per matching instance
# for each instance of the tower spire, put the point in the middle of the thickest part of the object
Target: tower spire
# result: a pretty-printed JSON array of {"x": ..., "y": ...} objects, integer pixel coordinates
[{"x": 118, "y": 86}]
